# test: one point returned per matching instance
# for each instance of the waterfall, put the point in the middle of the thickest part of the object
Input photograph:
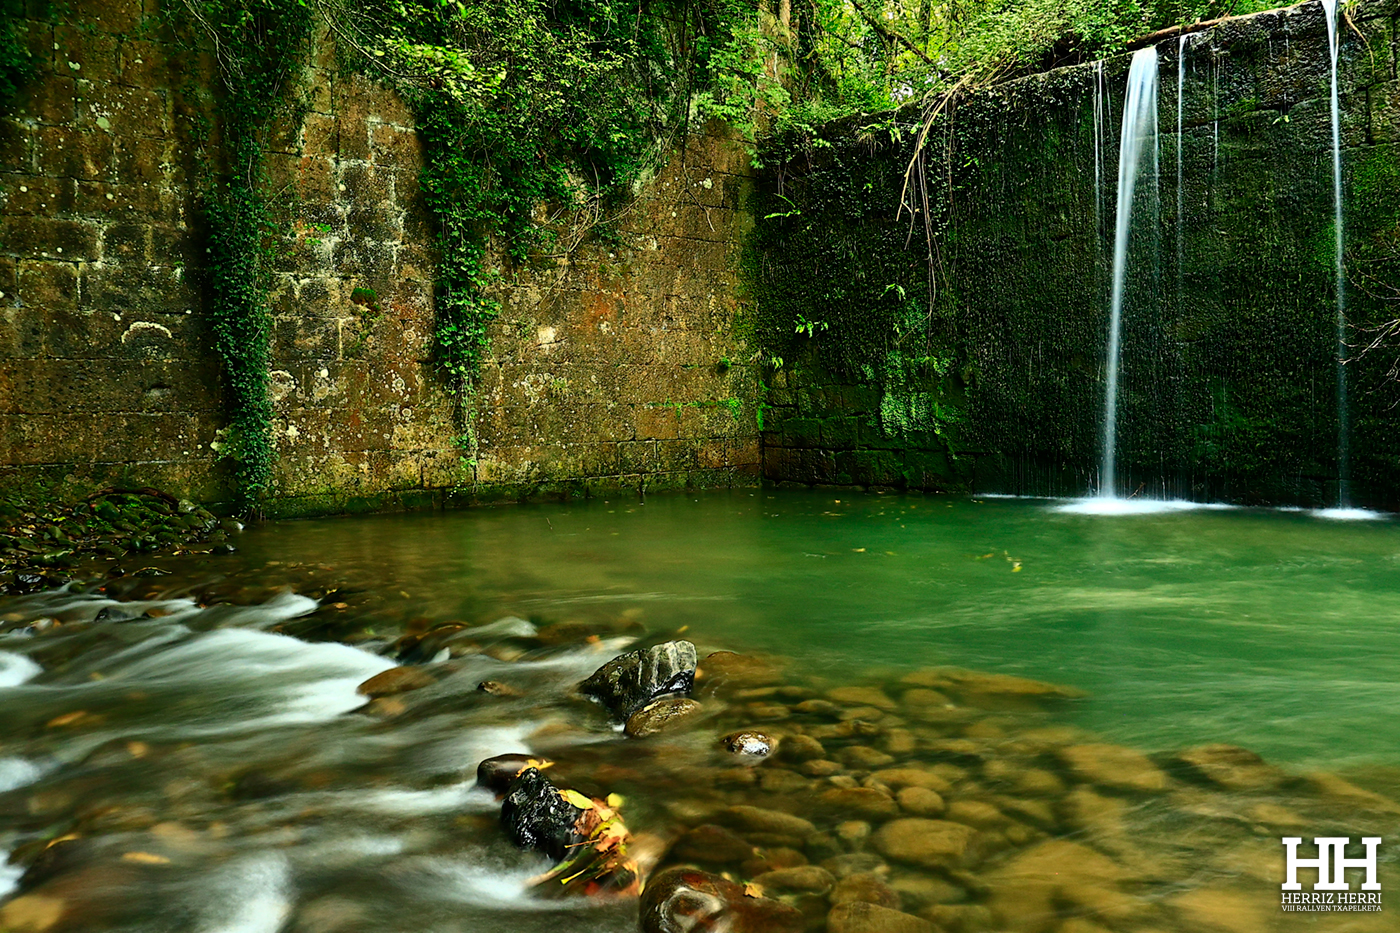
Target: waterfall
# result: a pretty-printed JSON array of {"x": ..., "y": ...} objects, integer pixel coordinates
[
  {"x": 1343, "y": 415},
  {"x": 1181, "y": 47},
  {"x": 1139, "y": 120}
]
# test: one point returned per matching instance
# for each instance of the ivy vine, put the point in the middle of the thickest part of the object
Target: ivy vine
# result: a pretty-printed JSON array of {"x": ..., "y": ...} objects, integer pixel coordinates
[{"x": 259, "y": 45}]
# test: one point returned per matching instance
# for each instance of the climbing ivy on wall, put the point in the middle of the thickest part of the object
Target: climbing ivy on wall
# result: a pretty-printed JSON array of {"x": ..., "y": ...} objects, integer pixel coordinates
[{"x": 259, "y": 46}]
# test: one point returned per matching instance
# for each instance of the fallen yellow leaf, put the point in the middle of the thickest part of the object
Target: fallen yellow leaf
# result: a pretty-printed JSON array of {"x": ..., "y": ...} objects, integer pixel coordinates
[{"x": 145, "y": 858}]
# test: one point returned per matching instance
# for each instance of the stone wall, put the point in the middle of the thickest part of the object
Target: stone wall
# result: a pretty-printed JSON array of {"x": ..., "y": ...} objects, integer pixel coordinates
[
  {"x": 613, "y": 368},
  {"x": 1228, "y": 387}
]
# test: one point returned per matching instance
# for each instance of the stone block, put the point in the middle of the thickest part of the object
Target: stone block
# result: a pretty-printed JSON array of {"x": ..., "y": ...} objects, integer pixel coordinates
[
  {"x": 16, "y": 147},
  {"x": 124, "y": 111},
  {"x": 84, "y": 54},
  {"x": 62, "y": 151},
  {"x": 51, "y": 101},
  {"x": 42, "y": 284},
  {"x": 47, "y": 237}
]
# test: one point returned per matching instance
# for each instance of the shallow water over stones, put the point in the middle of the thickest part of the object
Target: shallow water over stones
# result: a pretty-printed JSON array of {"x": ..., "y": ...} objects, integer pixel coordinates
[{"x": 236, "y": 757}]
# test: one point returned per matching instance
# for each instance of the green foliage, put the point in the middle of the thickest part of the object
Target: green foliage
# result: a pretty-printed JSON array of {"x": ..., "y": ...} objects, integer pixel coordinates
[
  {"x": 16, "y": 66},
  {"x": 259, "y": 44}
]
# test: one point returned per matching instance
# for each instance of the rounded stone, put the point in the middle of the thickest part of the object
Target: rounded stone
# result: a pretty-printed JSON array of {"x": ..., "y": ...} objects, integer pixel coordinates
[
  {"x": 749, "y": 744},
  {"x": 682, "y": 900},
  {"x": 661, "y": 716}
]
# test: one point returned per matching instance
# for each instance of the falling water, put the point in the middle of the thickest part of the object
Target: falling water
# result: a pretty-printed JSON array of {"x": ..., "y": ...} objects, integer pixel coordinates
[
  {"x": 1100, "y": 109},
  {"x": 1181, "y": 47},
  {"x": 1139, "y": 120},
  {"x": 1343, "y": 416}
]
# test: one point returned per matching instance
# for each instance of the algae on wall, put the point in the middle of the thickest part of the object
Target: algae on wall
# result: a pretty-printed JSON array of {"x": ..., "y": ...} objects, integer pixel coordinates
[{"x": 1228, "y": 358}]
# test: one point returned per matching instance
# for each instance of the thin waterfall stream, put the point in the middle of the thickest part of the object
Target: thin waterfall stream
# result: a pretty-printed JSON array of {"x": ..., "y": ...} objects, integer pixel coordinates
[
  {"x": 1343, "y": 415},
  {"x": 1139, "y": 122}
]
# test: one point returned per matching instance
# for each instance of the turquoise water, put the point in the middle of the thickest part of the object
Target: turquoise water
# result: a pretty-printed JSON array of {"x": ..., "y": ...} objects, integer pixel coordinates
[
  {"x": 203, "y": 761},
  {"x": 1279, "y": 631}
]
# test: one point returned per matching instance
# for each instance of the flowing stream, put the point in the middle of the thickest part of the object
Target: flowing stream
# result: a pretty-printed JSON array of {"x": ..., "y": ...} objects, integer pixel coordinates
[{"x": 199, "y": 759}]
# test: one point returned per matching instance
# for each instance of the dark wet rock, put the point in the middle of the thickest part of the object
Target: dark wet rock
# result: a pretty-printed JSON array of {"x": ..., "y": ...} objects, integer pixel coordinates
[
  {"x": 661, "y": 716},
  {"x": 804, "y": 879},
  {"x": 395, "y": 680},
  {"x": 863, "y": 917},
  {"x": 758, "y": 820},
  {"x": 749, "y": 744},
  {"x": 113, "y": 614},
  {"x": 497, "y": 689},
  {"x": 866, "y": 888},
  {"x": 535, "y": 816},
  {"x": 496, "y": 774},
  {"x": 802, "y": 748},
  {"x": 685, "y": 900},
  {"x": 922, "y": 842},
  {"x": 1230, "y": 767},
  {"x": 864, "y": 803},
  {"x": 223, "y": 549},
  {"x": 627, "y": 683},
  {"x": 712, "y": 845}
]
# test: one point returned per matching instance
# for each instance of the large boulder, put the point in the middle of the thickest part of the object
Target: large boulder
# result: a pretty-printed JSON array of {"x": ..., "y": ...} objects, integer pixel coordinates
[
  {"x": 685, "y": 900},
  {"x": 536, "y": 816},
  {"x": 631, "y": 681}
]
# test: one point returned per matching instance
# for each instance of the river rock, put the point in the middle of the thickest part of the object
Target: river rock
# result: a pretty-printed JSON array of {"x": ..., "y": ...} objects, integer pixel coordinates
[
  {"x": 782, "y": 781},
  {"x": 1026, "y": 890},
  {"x": 1231, "y": 767},
  {"x": 865, "y": 758},
  {"x": 496, "y": 774},
  {"x": 1345, "y": 792},
  {"x": 759, "y": 820},
  {"x": 898, "y": 778},
  {"x": 864, "y": 802},
  {"x": 749, "y": 744},
  {"x": 711, "y": 844},
  {"x": 920, "y": 801},
  {"x": 802, "y": 748},
  {"x": 863, "y": 696},
  {"x": 977, "y": 813},
  {"x": 661, "y": 716},
  {"x": 684, "y": 900},
  {"x": 861, "y": 917},
  {"x": 535, "y": 816},
  {"x": 31, "y": 913},
  {"x": 725, "y": 669},
  {"x": 773, "y": 859},
  {"x": 631, "y": 681},
  {"x": 395, "y": 680},
  {"x": 1219, "y": 910},
  {"x": 497, "y": 689},
  {"x": 804, "y": 879},
  {"x": 865, "y": 888},
  {"x": 1114, "y": 766},
  {"x": 926, "y": 843}
]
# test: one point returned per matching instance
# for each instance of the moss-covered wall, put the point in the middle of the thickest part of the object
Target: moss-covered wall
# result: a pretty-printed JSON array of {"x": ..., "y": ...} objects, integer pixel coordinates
[
  {"x": 611, "y": 368},
  {"x": 991, "y": 377}
]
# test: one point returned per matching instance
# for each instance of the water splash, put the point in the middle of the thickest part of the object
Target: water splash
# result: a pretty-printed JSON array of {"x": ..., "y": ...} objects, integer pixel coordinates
[
  {"x": 1139, "y": 121},
  {"x": 1343, "y": 415}
]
